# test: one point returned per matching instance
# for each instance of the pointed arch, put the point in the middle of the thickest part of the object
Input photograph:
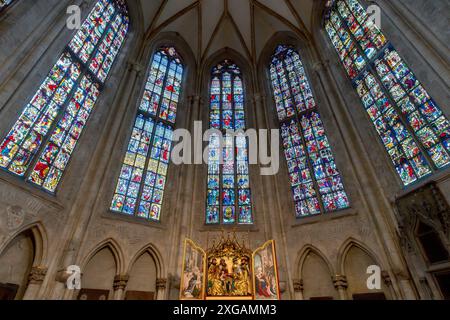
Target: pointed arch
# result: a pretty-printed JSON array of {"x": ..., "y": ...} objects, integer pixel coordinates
[
  {"x": 316, "y": 182},
  {"x": 345, "y": 248},
  {"x": 115, "y": 249},
  {"x": 315, "y": 272},
  {"x": 227, "y": 53},
  {"x": 430, "y": 240},
  {"x": 155, "y": 254},
  {"x": 40, "y": 241},
  {"x": 303, "y": 254},
  {"x": 228, "y": 198}
]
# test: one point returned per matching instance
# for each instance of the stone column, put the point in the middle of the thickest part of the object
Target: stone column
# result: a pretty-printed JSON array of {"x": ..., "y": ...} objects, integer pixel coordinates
[
  {"x": 388, "y": 282},
  {"x": 161, "y": 284},
  {"x": 119, "y": 285},
  {"x": 341, "y": 284},
  {"x": 298, "y": 289},
  {"x": 35, "y": 279},
  {"x": 79, "y": 219}
]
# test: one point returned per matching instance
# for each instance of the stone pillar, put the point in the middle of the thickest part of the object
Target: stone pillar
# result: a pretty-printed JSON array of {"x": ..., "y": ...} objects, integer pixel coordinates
[
  {"x": 119, "y": 285},
  {"x": 77, "y": 225},
  {"x": 298, "y": 289},
  {"x": 35, "y": 279},
  {"x": 341, "y": 284},
  {"x": 161, "y": 284},
  {"x": 388, "y": 282}
]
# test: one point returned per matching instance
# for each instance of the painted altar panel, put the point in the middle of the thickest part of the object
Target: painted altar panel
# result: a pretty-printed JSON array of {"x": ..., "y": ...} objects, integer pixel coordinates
[
  {"x": 265, "y": 272},
  {"x": 229, "y": 271},
  {"x": 192, "y": 286}
]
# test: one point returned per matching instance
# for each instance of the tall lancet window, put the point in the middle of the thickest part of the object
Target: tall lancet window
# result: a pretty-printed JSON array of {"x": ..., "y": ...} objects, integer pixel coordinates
[
  {"x": 228, "y": 197},
  {"x": 4, "y": 4},
  {"x": 315, "y": 180},
  {"x": 41, "y": 142},
  {"x": 140, "y": 188},
  {"x": 410, "y": 124}
]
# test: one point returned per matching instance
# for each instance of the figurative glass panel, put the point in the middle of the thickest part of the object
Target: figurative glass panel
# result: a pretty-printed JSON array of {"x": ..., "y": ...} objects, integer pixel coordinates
[
  {"x": 228, "y": 196},
  {"x": 411, "y": 126},
  {"x": 41, "y": 142},
  {"x": 142, "y": 179},
  {"x": 315, "y": 180}
]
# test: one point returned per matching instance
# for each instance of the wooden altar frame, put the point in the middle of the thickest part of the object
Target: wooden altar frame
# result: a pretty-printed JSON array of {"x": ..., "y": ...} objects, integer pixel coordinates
[
  {"x": 275, "y": 263},
  {"x": 200, "y": 249},
  {"x": 203, "y": 295}
]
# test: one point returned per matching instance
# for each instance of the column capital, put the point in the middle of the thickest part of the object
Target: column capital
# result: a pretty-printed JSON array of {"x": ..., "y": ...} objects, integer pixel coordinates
[
  {"x": 120, "y": 281},
  {"x": 161, "y": 283},
  {"x": 298, "y": 285},
  {"x": 340, "y": 281},
  {"x": 258, "y": 97},
  {"x": 37, "y": 274},
  {"x": 386, "y": 278},
  {"x": 321, "y": 65},
  {"x": 135, "y": 66},
  {"x": 195, "y": 99}
]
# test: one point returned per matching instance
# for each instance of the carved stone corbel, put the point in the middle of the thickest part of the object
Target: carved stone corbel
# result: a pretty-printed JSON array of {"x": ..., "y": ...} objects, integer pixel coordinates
[{"x": 37, "y": 274}]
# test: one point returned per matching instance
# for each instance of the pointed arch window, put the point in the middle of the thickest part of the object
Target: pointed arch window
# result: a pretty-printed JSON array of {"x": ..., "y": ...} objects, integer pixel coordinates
[
  {"x": 315, "y": 180},
  {"x": 41, "y": 142},
  {"x": 140, "y": 187},
  {"x": 4, "y": 4},
  {"x": 228, "y": 196},
  {"x": 411, "y": 126}
]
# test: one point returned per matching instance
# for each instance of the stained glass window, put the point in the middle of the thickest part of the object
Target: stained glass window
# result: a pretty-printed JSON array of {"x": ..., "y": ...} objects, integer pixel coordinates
[
  {"x": 410, "y": 124},
  {"x": 228, "y": 196},
  {"x": 140, "y": 188},
  {"x": 4, "y": 4},
  {"x": 315, "y": 180},
  {"x": 40, "y": 144}
]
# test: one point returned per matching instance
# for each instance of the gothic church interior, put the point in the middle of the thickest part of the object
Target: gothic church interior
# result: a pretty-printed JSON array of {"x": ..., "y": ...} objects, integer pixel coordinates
[{"x": 356, "y": 91}]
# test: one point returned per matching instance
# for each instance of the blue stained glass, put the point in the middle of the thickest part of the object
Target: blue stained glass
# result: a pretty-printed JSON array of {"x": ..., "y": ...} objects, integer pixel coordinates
[
  {"x": 423, "y": 129},
  {"x": 150, "y": 144},
  {"x": 228, "y": 196},
  {"x": 316, "y": 183},
  {"x": 67, "y": 92}
]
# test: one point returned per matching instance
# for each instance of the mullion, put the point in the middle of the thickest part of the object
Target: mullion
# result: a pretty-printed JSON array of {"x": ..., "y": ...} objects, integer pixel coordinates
[
  {"x": 50, "y": 99},
  {"x": 84, "y": 69},
  {"x": 370, "y": 68},
  {"x": 53, "y": 126},
  {"x": 309, "y": 162},
  {"x": 402, "y": 116},
  {"x": 115, "y": 35},
  {"x": 220, "y": 150},
  {"x": 221, "y": 146},
  {"x": 236, "y": 183},
  {"x": 146, "y": 116},
  {"x": 234, "y": 150},
  {"x": 86, "y": 96},
  {"x": 361, "y": 26},
  {"x": 350, "y": 46},
  {"x": 152, "y": 139},
  {"x": 103, "y": 14},
  {"x": 99, "y": 43}
]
